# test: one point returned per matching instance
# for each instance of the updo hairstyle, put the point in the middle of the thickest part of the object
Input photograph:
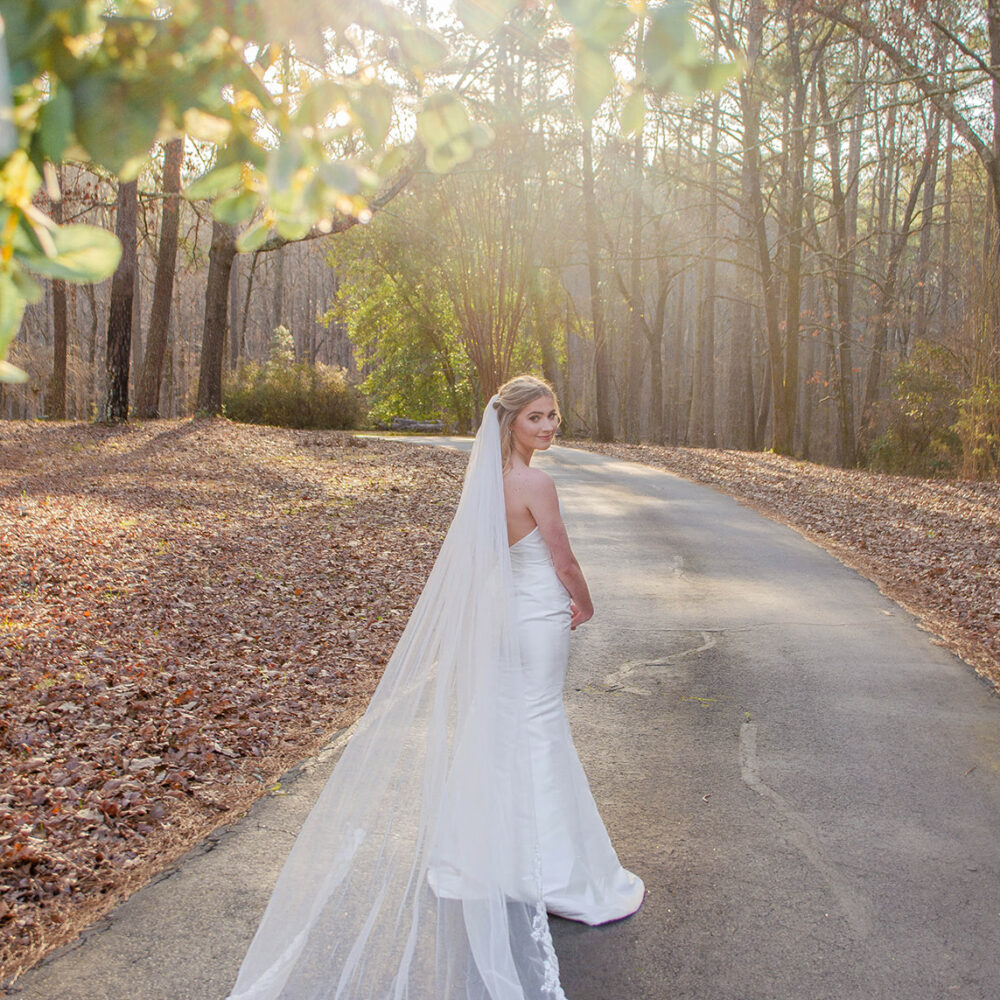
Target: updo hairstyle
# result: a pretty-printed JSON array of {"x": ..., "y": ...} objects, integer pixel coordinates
[{"x": 512, "y": 397}]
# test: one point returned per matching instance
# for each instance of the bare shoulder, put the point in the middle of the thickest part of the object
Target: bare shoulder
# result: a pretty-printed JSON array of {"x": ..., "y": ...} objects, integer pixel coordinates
[{"x": 532, "y": 482}]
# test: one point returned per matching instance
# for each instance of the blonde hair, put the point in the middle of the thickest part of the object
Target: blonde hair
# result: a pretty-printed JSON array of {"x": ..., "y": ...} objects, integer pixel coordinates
[{"x": 512, "y": 397}]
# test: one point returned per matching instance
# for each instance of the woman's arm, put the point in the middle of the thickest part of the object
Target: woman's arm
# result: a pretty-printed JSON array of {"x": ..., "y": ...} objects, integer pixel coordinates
[{"x": 543, "y": 503}]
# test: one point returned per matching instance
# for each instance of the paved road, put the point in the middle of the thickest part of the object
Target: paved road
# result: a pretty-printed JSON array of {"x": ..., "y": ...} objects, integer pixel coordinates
[{"x": 808, "y": 784}]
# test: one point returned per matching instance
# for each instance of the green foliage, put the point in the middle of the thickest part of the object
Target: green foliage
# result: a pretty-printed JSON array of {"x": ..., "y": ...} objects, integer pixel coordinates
[
  {"x": 91, "y": 82},
  {"x": 978, "y": 429},
  {"x": 286, "y": 393},
  {"x": 921, "y": 437},
  {"x": 673, "y": 57},
  {"x": 447, "y": 133},
  {"x": 87, "y": 80},
  {"x": 484, "y": 17},
  {"x": 281, "y": 350},
  {"x": 404, "y": 330},
  {"x": 593, "y": 79},
  {"x": 30, "y": 242}
]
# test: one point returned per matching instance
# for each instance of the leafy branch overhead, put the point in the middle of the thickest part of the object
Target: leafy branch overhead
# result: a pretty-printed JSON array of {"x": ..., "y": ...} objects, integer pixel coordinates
[{"x": 293, "y": 155}]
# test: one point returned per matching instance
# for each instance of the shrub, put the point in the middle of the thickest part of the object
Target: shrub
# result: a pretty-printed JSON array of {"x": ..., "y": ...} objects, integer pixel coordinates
[
  {"x": 293, "y": 395},
  {"x": 921, "y": 437},
  {"x": 978, "y": 427}
]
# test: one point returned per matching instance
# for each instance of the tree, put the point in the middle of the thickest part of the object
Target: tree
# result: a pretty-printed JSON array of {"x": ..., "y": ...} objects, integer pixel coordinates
[
  {"x": 220, "y": 263},
  {"x": 115, "y": 409},
  {"x": 55, "y": 403},
  {"x": 148, "y": 394}
]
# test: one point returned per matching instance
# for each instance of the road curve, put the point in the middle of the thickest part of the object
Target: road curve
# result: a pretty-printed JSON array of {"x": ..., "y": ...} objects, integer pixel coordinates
[{"x": 807, "y": 783}]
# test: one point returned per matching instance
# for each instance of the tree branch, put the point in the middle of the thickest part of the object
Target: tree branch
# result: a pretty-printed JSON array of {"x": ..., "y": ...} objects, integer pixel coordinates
[
  {"x": 345, "y": 222},
  {"x": 870, "y": 32}
]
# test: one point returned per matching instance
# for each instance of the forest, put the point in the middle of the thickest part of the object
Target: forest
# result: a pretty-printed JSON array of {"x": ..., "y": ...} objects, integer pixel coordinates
[
  {"x": 746, "y": 224},
  {"x": 752, "y": 243}
]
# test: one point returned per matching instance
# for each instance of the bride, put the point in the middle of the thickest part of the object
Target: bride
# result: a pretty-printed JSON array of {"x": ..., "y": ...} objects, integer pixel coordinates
[{"x": 458, "y": 816}]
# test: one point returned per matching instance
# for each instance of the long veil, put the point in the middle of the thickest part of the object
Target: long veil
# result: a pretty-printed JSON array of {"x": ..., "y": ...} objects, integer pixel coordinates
[{"x": 416, "y": 875}]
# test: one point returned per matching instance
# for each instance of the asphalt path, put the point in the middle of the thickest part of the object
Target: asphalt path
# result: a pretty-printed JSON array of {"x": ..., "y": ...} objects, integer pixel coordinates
[{"x": 808, "y": 784}]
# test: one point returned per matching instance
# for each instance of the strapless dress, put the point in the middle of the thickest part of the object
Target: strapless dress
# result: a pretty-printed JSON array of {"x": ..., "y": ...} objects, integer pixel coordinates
[{"x": 582, "y": 877}]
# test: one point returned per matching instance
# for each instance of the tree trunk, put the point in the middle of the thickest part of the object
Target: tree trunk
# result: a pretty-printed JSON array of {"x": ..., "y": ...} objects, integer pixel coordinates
[
  {"x": 675, "y": 365},
  {"x": 773, "y": 399},
  {"x": 234, "y": 312},
  {"x": 693, "y": 428},
  {"x": 220, "y": 263},
  {"x": 886, "y": 303},
  {"x": 602, "y": 364},
  {"x": 944, "y": 325},
  {"x": 120, "y": 313},
  {"x": 708, "y": 332},
  {"x": 841, "y": 358},
  {"x": 654, "y": 335},
  {"x": 55, "y": 398},
  {"x": 633, "y": 383},
  {"x": 924, "y": 246},
  {"x": 784, "y": 423},
  {"x": 147, "y": 402}
]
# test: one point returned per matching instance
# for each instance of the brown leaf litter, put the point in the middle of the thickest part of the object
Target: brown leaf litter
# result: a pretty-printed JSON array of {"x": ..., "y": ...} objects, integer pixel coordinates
[
  {"x": 191, "y": 607},
  {"x": 188, "y": 609}
]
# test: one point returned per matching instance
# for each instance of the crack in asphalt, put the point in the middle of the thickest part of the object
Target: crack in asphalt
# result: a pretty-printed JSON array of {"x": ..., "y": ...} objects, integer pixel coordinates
[
  {"x": 619, "y": 679},
  {"x": 801, "y": 835}
]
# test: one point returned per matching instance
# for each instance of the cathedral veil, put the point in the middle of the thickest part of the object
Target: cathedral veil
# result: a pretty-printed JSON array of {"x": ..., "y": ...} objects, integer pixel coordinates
[{"x": 417, "y": 874}]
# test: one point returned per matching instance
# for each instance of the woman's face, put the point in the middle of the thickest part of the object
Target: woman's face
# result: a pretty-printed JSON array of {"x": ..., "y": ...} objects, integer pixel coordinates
[{"x": 534, "y": 428}]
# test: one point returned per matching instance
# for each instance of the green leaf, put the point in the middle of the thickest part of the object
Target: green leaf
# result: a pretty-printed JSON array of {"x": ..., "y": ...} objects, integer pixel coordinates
[
  {"x": 607, "y": 27},
  {"x": 446, "y": 132},
  {"x": 214, "y": 182},
  {"x": 391, "y": 162},
  {"x": 422, "y": 49},
  {"x": 320, "y": 101},
  {"x": 449, "y": 155},
  {"x": 11, "y": 373},
  {"x": 206, "y": 127},
  {"x": 11, "y": 310},
  {"x": 27, "y": 287},
  {"x": 341, "y": 177},
  {"x": 236, "y": 207},
  {"x": 672, "y": 55},
  {"x": 253, "y": 237},
  {"x": 483, "y": 17},
  {"x": 291, "y": 228},
  {"x": 283, "y": 163},
  {"x": 715, "y": 75},
  {"x": 633, "y": 112},
  {"x": 55, "y": 124},
  {"x": 580, "y": 13},
  {"x": 594, "y": 79},
  {"x": 83, "y": 254},
  {"x": 373, "y": 105},
  {"x": 116, "y": 121}
]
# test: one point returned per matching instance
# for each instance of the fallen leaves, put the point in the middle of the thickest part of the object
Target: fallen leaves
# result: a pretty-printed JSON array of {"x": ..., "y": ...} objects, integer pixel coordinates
[{"x": 189, "y": 608}]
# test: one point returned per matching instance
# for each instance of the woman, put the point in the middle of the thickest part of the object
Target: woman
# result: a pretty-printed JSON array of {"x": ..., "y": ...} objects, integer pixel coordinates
[
  {"x": 581, "y": 877},
  {"x": 423, "y": 871}
]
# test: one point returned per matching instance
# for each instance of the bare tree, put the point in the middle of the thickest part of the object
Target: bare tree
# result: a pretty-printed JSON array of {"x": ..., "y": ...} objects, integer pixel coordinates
[{"x": 115, "y": 408}]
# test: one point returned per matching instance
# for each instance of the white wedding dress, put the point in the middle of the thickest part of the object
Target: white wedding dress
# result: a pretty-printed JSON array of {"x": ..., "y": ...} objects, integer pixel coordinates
[
  {"x": 581, "y": 876},
  {"x": 458, "y": 813}
]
